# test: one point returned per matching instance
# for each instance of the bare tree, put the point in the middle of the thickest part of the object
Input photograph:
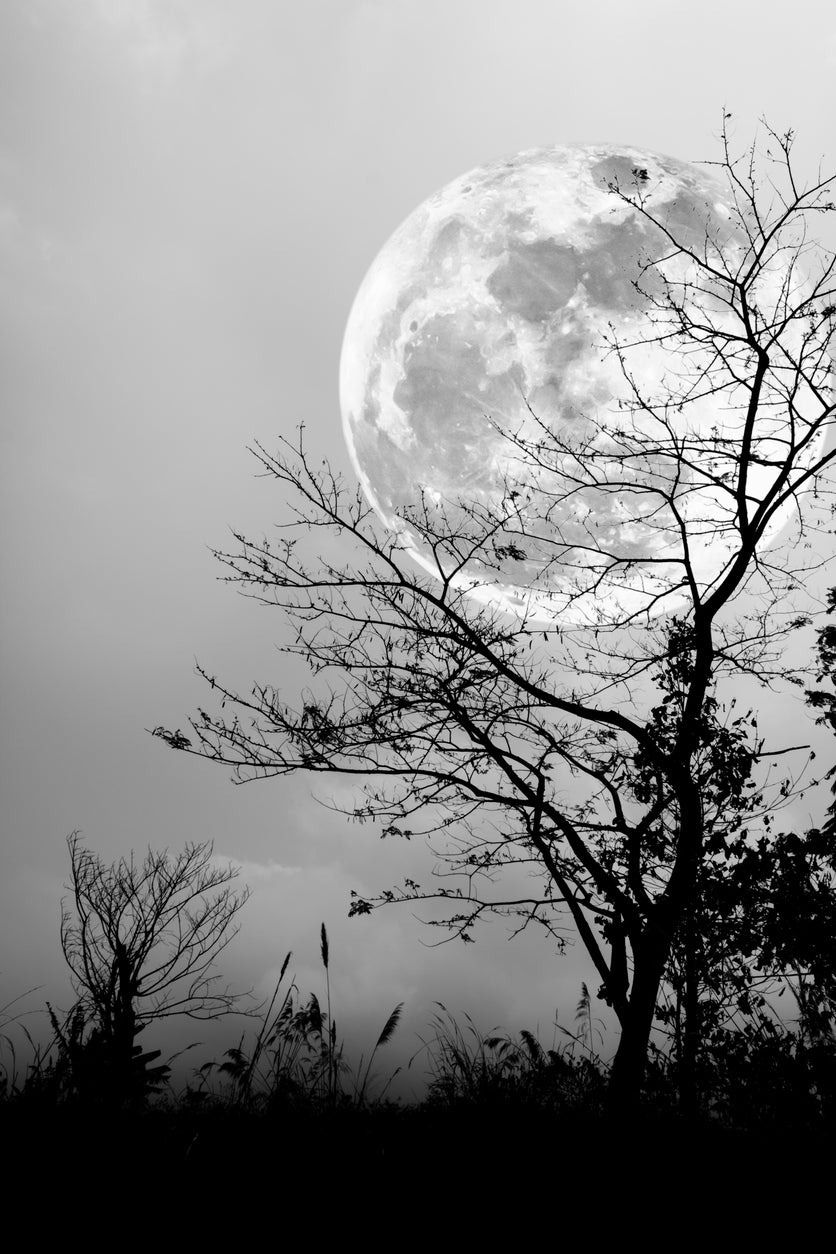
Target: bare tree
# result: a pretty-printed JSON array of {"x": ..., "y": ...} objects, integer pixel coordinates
[
  {"x": 142, "y": 939},
  {"x": 585, "y": 759}
]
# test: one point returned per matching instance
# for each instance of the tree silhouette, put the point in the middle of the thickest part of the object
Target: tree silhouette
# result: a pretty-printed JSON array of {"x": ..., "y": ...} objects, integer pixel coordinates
[
  {"x": 580, "y": 759},
  {"x": 141, "y": 940}
]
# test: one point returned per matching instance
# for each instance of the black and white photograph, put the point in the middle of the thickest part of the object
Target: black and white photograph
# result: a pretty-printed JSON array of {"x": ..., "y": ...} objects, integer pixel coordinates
[{"x": 418, "y": 613}]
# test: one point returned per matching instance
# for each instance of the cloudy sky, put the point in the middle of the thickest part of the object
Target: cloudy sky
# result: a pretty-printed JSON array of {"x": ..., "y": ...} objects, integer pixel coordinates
[{"x": 190, "y": 194}]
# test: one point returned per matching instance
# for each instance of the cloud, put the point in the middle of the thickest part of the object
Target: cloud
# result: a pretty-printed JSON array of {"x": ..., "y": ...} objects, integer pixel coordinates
[
  {"x": 162, "y": 38},
  {"x": 260, "y": 872}
]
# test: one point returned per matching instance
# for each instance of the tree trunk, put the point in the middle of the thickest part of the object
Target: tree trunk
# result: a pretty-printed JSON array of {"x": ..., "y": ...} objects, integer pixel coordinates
[
  {"x": 627, "y": 1075},
  {"x": 688, "y": 1096}
]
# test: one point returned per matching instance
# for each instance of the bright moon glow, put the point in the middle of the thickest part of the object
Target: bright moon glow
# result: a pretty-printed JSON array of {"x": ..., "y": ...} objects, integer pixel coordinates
[{"x": 478, "y": 381}]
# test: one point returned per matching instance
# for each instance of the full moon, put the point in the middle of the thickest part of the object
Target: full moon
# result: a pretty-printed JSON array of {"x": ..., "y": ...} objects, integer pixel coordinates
[{"x": 482, "y": 394}]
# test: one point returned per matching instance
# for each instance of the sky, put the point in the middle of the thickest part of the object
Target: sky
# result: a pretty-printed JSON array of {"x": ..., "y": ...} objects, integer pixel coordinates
[{"x": 190, "y": 194}]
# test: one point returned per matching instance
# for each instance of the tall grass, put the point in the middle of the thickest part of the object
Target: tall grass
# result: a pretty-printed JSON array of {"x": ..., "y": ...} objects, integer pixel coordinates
[
  {"x": 469, "y": 1067},
  {"x": 761, "y": 1075},
  {"x": 48, "y": 1074},
  {"x": 297, "y": 1058}
]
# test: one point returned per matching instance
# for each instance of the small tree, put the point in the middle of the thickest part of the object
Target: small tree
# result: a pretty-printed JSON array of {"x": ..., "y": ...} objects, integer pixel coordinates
[
  {"x": 141, "y": 940},
  {"x": 763, "y": 919},
  {"x": 594, "y": 753},
  {"x": 764, "y": 922}
]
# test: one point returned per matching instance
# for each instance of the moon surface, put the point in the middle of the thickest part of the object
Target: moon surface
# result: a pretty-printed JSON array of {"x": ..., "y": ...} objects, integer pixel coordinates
[{"x": 482, "y": 398}]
